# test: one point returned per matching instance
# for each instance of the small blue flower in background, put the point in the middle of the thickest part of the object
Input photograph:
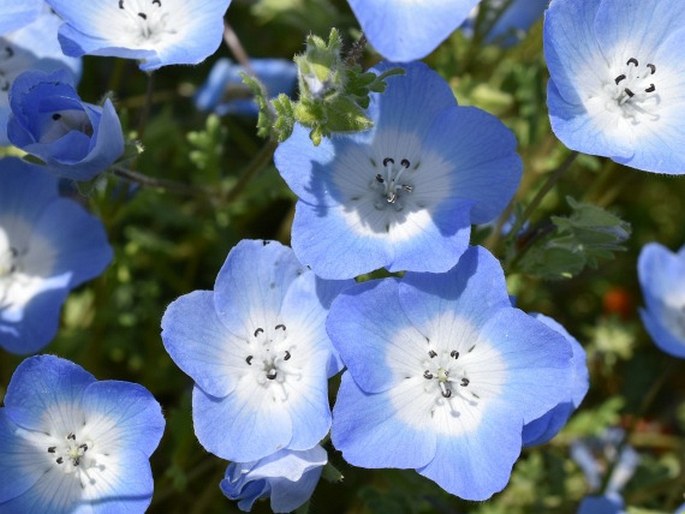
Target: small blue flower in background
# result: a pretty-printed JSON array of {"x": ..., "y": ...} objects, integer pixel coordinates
[
  {"x": 662, "y": 278},
  {"x": 406, "y": 30},
  {"x": 546, "y": 427},
  {"x": 34, "y": 46},
  {"x": 258, "y": 352},
  {"x": 616, "y": 80},
  {"x": 511, "y": 25},
  {"x": 48, "y": 246},
  {"x": 442, "y": 374},
  {"x": 14, "y": 14},
  {"x": 606, "y": 504},
  {"x": 224, "y": 92},
  {"x": 76, "y": 139},
  {"x": 71, "y": 443},
  {"x": 155, "y": 32},
  {"x": 404, "y": 194},
  {"x": 287, "y": 477},
  {"x": 594, "y": 455}
]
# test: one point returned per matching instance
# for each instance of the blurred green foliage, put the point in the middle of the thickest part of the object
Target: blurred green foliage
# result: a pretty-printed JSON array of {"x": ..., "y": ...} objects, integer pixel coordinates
[{"x": 169, "y": 241}]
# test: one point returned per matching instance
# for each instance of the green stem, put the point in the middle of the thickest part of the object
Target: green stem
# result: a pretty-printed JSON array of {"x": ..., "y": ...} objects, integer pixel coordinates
[
  {"x": 147, "y": 106},
  {"x": 159, "y": 183},
  {"x": 250, "y": 171},
  {"x": 549, "y": 184}
]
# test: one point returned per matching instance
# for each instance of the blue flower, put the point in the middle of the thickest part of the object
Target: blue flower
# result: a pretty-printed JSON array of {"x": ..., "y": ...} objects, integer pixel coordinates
[
  {"x": 49, "y": 120},
  {"x": 404, "y": 30},
  {"x": 258, "y": 352},
  {"x": 442, "y": 374},
  {"x": 48, "y": 246},
  {"x": 287, "y": 477},
  {"x": 404, "y": 194},
  {"x": 513, "y": 23},
  {"x": 224, "y": 92},
  {"x": 156, "y": 32},
  {"x": 70, "y": 443},
  {"x": 616, "y": 80},
  {"x": 606, "y": 504},
  {"x": 34, "y": 46},
  {"x": 14, "y": 14},
  {"x": 544, "y": 428},
  {"x": 662, "y": 278},
  {"x": 594, "y": 455}
]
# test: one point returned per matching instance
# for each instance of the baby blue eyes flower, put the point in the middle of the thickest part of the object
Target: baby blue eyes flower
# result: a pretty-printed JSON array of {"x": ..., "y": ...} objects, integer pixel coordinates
[
  {"x": 662, "y": 278},
  {"x": 406, "y": 30},
  {"x": 616, "y": 80},
  {"x": 70, "y": 443},
  {"x": 225, "y": 93},
  {"x": 404, "y": 194},
  {"x": 48, "y": 246},
  {"x": 33, "y": 46},
  {"x": 257, "y": 349},
  {"x": 442, "y": 374},
  {"x": 287, "y": 477},
  {"x": 155, "y": 32},
  {"x": 49, "y": 120},
  {"x": 606, "y": 504}
]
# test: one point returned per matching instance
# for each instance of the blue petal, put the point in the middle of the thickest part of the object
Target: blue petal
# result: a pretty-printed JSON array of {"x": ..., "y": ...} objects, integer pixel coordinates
[
  {"x": 125, "y": 414},
  {"x": 537, "y": 362},
  {"x": 405, "y": 31},
  {"x": 474, "y": 288},
  {"x": 307, "y": 303},
  {"x": 44, "y": 387},
  {"x": 240, "y": 427},
  {"x": 20, "y": 462},
  {"x": 661, "y": 335},
  {"x": 478, "y": 464},
  {"x": 482, "y": 151},
  {"x": 252, "y": 283},
  {"x": 200, "y": 344},
  {"x": 367, "y": 430},
  {"x": 79, "y": 239},
  {"x": 364, "y": 323},
  {"x": 14, "y": 15}
]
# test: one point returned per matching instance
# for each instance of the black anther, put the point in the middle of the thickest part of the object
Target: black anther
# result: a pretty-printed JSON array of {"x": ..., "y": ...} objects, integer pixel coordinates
[
  {"x": 629, "y": 92},
  {"x": 427, "y": 374},
  {"x": 632, "y": 60},
  {"x": 432, "y": 354},
  {"x": 388, "y": 160},
  {"x": 280, "y": 326},
  {"x": 258, "y": 331},
  {"x": 618, "y": 79},
  {"x": 405, "y": 163},
  {"x": 287, "y": 355},
  {"x": 650, "y": 89},
  {"x": 652, "y": 68},
  {"x": 142, "y": 15},
  {"x": 454, "y": 354},
  {"x": 465, "y": 381},
  {"x": 249, "y": 360}
]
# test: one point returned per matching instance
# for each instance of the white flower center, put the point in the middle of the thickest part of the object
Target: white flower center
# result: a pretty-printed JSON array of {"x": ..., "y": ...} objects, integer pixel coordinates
[
  {"x": 71, "y": 454},
  {"x": 390, "y": 184},
  {"x": 63, "y": 122},
  {"x": 270, "y": 360},
  {"x": 633, "y": 92},
  {"x": 447, "y": 380},
  {"x": 148, "y": 18}
]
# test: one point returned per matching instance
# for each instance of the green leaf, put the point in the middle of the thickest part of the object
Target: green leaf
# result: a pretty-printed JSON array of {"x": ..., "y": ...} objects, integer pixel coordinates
[{"x": 563, "y": 248}]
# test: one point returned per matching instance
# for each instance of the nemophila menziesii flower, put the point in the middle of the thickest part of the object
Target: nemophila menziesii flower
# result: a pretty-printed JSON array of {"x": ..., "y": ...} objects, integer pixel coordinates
[
  {"x": 406, "y": 30},
  {"x": 442, "y": 375},
  {"x": 34, "y": 46},
  {"x": 605, "y": 504},
  {"x": 76, "y": 139},
  {"x": 70, "y": 443},
  {"x": 404, "y": 194},
  {"x": 48, "y": 246},
  {"x": 287, "y": 477},
  {"x": 544, "y": 428},
  {"x": 155, "y": 32},
  {"x": 662, "y": 278},
  {"x": 257, "y": 349},
  {"x": 15, "y": 14},
  {"x": 512, "y": 24},
  {"x": 616, "y": 80},
  {"x": 225, "y": 93}
]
